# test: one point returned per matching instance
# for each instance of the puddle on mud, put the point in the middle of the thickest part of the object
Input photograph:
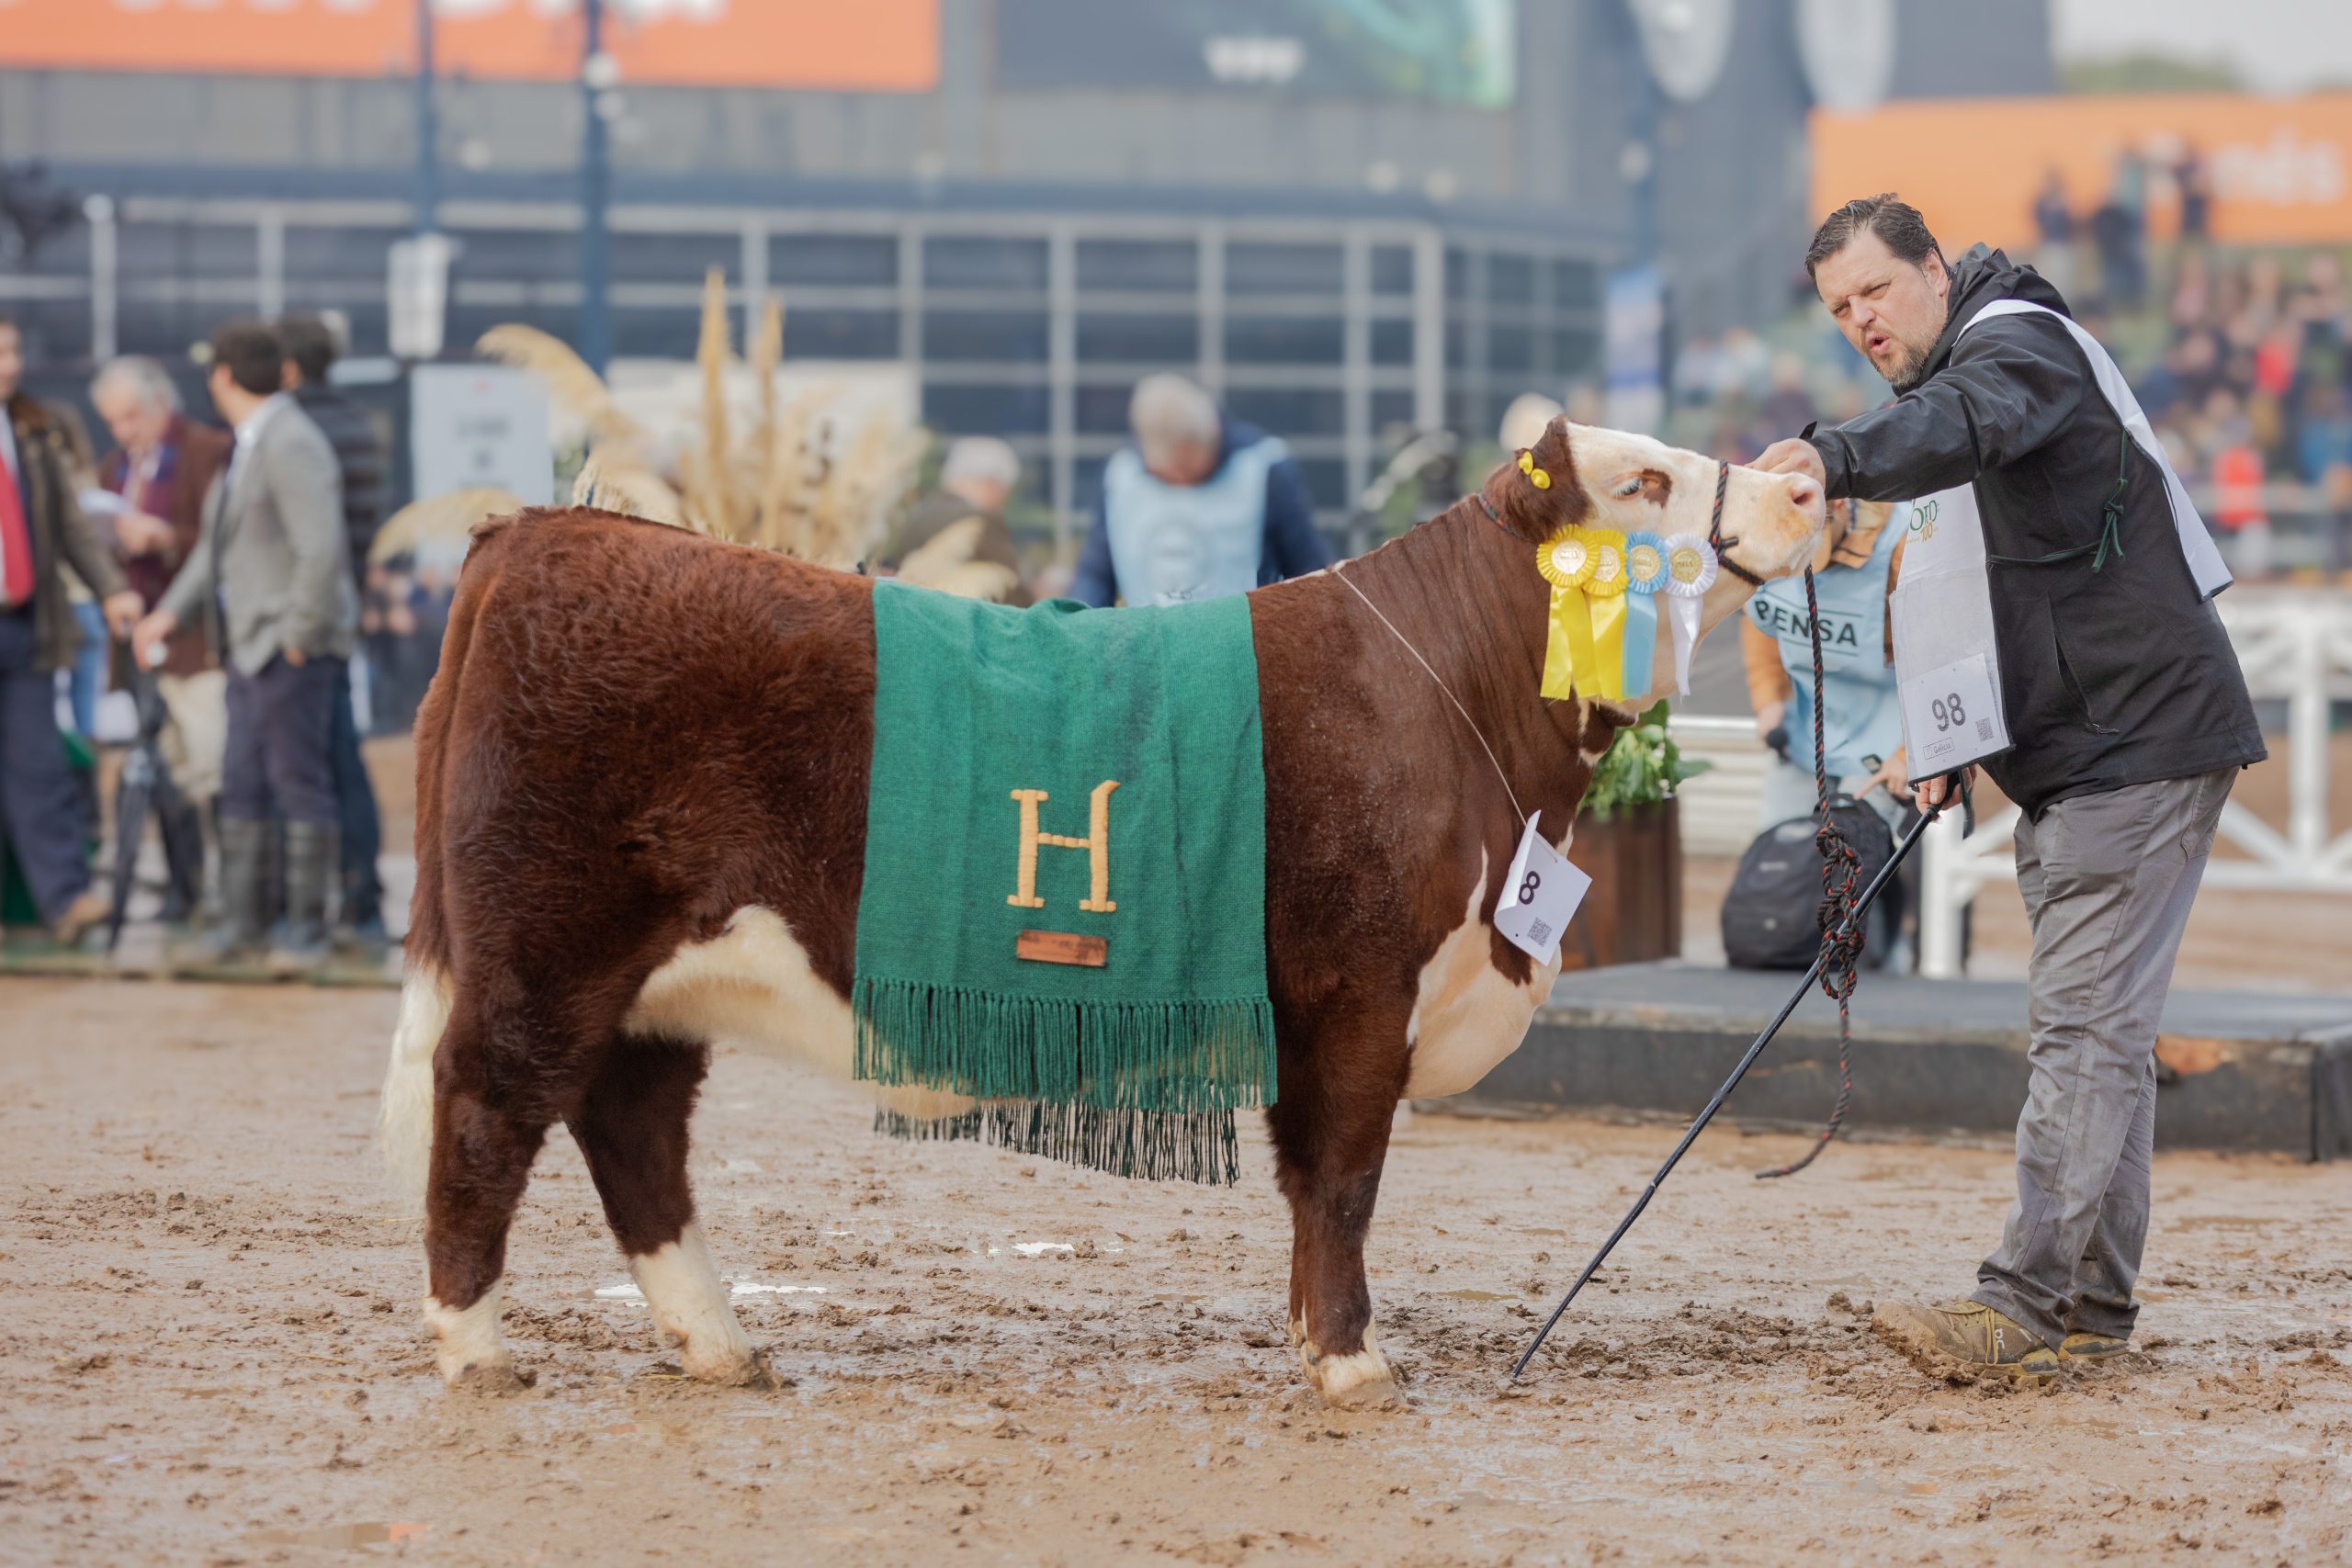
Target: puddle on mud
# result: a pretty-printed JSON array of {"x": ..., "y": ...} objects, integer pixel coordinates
[
  {"x": 346, "y": 1537},
  {"x": 626, "y": 1291}
]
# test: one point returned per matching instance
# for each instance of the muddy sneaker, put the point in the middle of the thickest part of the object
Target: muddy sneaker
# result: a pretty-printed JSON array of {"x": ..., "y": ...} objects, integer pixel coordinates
[
  {"x": 2091, "y": 1347},
  {"x": 1962, "y": 1338}
]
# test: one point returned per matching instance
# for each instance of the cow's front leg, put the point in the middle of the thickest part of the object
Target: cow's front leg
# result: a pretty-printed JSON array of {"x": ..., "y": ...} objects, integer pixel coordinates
[
  {"x": 1330, "y": 1133},
  {"x": 631, "y": 1126}
]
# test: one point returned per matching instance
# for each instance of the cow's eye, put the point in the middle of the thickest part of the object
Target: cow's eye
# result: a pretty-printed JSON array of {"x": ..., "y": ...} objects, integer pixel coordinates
[{"x": 1627, "y": 488}]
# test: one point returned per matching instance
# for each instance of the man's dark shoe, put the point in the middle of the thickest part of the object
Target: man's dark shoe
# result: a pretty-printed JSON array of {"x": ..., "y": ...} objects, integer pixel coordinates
[
  {"x": 2092, "y": 1347},
  {"x": 1960, "y": 1338}
]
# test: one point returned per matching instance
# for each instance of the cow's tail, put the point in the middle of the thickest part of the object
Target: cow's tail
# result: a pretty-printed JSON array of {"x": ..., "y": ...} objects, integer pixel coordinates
[{"x": 404, "y": 1112}]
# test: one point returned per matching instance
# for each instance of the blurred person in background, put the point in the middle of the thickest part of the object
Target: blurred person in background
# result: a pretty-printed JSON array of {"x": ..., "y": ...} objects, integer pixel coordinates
[
  {"x": 162, "y": 464},
  {"x": 977, "y": 479},
  {"x": 1855, "y": 568},
  {"x": 271, "y": 579},
  {"x": 1524, "y": 422},
  {"x": 2119, "y": 231},
  {"x": 86, "y": 677},
  {"x": 311, "y": 352},
  {"x": 2053, "y": 221},
  {"x": 1200, "y": 506},
  {"x": 41, "y": 531}
]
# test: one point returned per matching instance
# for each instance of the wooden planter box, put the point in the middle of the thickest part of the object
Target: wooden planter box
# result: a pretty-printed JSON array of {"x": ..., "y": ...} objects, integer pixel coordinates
[{"x": 1633, "y": 912}]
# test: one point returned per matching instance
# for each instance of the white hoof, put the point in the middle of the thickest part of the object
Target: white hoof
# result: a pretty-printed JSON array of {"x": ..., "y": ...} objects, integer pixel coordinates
[
  {"x": 469, "y": 1350},
  {"x": 1358, "y": 1380},
  {"x": 690, "y": 1304}
]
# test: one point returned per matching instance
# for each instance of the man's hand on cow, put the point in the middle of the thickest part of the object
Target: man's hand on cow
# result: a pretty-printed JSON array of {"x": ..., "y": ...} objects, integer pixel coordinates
[
  {"x": 1932, "y": 792},
  {"x": 1768, "y": 718},
  {"x": 1793, "y": 457}
]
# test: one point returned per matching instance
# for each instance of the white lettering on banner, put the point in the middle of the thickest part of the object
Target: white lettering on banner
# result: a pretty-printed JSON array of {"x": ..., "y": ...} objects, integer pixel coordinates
[
  {"x": 1538, "y": 897},
  {"x": 1951, "y": 717}
]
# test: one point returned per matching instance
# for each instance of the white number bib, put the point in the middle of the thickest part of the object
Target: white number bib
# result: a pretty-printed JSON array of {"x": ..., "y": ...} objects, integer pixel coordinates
[{"x": 1538, "y": 897}]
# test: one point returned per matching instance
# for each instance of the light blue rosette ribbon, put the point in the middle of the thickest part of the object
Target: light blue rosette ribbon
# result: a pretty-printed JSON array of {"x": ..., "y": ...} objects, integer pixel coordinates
[{"x": 1645, "y": 578}]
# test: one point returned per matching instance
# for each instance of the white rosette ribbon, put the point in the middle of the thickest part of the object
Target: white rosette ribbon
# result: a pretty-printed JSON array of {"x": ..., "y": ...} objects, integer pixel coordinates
[{"x": 1690, "y": 573}]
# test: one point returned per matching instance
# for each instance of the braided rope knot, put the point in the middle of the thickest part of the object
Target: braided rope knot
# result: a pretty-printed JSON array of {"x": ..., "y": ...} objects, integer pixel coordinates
[
  {"x": 1841, "y": 935},
  {"x": 1841, "y": 868}
]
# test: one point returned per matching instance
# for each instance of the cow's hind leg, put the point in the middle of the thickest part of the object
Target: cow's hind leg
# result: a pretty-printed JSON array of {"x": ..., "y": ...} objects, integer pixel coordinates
[
  {"x": 1329, "y": 1144},
  {"x": 487, "y": 1128},
  {"x": 631, "y": 1125}
]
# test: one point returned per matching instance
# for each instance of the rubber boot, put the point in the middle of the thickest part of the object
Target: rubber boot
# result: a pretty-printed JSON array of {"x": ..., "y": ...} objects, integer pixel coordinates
[
  {"x": 244, "y": 865},
  {"x": 313, "y": 862}
]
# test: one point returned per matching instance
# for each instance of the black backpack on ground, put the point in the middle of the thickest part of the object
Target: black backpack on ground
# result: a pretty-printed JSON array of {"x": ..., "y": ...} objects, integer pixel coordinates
[{"x": 1772, "y": 914}]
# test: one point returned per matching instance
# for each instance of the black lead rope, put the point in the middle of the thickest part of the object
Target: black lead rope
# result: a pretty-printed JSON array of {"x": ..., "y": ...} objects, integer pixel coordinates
[{"x": 1840, "y": 922}]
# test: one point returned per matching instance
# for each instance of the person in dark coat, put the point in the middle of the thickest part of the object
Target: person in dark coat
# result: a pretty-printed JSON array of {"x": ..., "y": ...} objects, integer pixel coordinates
[
  {"x": 2129, "y": 720},
  {"x": 359, "y": 455},
  {"x": 975, "y": 479},
  {"x": 41, "y": 531}
]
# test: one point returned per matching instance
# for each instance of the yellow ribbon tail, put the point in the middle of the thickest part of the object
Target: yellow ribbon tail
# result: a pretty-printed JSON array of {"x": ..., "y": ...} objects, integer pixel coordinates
[
  {"x": 1569, "y": 663},
  {"x": 1608, "y": 645}
]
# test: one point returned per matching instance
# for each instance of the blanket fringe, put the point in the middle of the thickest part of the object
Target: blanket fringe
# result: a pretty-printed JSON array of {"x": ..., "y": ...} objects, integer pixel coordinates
[
  {"x": 1179, "y": 1057},
  {"x": 1149, "y": 1146}
]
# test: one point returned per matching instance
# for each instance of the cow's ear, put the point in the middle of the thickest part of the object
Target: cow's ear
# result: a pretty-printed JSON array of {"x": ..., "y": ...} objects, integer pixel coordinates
[{"x": 1538, "y": 492}]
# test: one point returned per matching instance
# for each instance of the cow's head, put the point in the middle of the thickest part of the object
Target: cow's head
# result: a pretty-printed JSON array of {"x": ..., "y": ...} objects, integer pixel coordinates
[{"x": 1611, "y": 478}]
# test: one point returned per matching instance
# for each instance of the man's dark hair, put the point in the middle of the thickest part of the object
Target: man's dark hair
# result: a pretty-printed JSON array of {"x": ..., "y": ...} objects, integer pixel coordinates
[
  {"x": 1895, "y": 222},
  {"x": 254, "y": 354},
  {"x": 310, "y": 344}
]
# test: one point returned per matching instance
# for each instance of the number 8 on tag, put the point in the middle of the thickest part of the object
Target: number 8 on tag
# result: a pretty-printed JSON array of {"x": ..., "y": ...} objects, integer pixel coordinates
[{"x": 1541, "y": 895}]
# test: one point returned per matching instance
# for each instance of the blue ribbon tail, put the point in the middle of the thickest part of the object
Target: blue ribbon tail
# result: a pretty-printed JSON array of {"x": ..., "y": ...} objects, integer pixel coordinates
[{"x": 1641, "y": 642}]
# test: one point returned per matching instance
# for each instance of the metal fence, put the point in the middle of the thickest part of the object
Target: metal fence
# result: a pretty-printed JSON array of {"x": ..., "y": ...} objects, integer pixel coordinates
[{"x": 1329, "y": 332}]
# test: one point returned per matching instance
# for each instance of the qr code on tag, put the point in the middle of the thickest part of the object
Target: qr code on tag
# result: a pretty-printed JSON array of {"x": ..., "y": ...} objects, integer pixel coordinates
[
  {"x": 1538, "y": 932},
  {"x": 1984, "y": 729}
]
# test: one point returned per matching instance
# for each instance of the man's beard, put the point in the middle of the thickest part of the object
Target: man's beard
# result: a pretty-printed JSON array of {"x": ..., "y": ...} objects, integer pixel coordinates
[{"x": 1906, "y": 377}]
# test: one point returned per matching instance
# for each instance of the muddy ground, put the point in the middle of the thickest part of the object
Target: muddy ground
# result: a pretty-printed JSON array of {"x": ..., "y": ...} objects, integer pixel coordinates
[{"x": 211, "y": 1351}]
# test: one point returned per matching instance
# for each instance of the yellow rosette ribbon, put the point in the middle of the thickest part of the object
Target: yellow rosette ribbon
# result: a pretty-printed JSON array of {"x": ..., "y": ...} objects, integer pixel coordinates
[
  {"x": 1606, "y": 591},
  {"x": 1566, "y": 561}
]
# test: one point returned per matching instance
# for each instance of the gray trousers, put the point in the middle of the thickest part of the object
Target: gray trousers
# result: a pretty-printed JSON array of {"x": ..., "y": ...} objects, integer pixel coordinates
[{"x": 2108, "y": 881}]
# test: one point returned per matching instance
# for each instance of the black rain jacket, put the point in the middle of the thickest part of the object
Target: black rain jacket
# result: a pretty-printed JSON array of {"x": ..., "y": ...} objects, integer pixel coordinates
[{"x": 2114, "y": 671}]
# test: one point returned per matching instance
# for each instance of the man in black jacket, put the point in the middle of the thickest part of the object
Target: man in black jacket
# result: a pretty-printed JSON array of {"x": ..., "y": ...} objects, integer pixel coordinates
[
  {"x": 359, "y": 453},
  {"x": 2129, "y": 720}
]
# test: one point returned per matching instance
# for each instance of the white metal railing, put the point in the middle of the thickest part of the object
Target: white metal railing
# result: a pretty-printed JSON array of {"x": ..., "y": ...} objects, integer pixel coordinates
[
  {"x": 1719, "y": 806},
  {"x": 2292, "y": 643}
]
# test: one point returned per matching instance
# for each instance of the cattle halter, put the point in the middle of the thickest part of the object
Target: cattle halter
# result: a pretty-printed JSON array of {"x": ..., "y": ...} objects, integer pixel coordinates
[{"x": 1716, "y": 540}]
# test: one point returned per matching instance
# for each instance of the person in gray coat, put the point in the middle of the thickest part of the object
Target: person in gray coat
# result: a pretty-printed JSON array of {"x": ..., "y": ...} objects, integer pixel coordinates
[{"x": 271, "y": 572}]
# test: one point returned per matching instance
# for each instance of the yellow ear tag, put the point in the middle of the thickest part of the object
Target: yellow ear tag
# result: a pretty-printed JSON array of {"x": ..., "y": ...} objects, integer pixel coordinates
[{"x": 1566, "y": 560}]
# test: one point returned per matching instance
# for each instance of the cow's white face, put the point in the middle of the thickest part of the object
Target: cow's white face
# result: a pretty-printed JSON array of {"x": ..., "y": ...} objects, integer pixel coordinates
[{"x": 1635, "y": 482}]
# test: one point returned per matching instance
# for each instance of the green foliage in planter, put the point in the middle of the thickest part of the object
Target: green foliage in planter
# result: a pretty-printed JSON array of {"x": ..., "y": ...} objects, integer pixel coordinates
[{"x": 1643, "y": 767}]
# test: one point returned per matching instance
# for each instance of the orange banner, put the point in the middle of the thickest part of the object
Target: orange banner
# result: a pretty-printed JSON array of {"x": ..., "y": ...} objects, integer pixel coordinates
[
  {"x": 846, "y": 45},
  {"x": 2281, "y": 170}
]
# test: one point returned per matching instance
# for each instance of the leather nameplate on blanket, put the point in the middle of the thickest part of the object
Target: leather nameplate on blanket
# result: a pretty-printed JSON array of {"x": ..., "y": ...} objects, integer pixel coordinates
[{"x": 1062, "y": 947}]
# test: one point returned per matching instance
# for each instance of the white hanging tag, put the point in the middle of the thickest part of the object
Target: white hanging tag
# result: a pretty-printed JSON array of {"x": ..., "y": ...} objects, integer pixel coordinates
[{"x": 1540, "y": 895}]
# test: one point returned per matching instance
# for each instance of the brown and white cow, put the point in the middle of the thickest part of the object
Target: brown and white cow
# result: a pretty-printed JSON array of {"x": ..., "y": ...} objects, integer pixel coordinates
[{"x": 641, "y": 784}]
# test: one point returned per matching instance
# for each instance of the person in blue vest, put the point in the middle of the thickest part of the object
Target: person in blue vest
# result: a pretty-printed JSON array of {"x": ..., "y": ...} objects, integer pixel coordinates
[
  {"x": 1199, "y": 507},
  {"x": 1854, "y": 570}
]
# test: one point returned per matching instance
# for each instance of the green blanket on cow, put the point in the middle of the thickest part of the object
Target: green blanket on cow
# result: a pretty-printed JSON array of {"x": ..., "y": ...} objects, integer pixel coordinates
[{"x": 1064, "y": 905}]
